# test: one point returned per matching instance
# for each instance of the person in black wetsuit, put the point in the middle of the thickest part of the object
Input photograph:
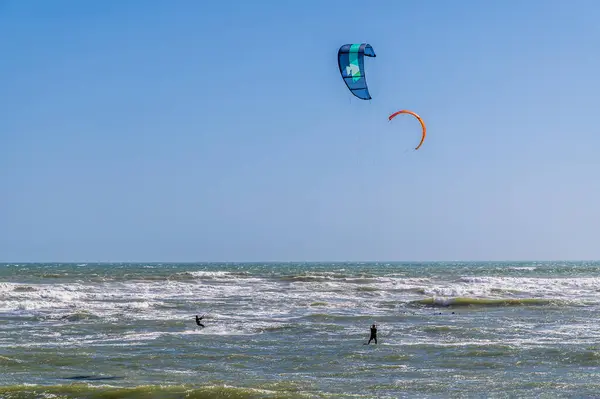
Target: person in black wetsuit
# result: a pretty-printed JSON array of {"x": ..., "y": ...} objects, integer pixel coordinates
[
  {"x": 200, "y": 318},
  {"x": 373, "y": 334}
]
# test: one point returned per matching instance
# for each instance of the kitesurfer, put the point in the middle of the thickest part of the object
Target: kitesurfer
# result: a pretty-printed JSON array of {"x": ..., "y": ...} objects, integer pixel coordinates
[
  {"x": 373, "y": 334},
  {"x": 202, "y": 325}
]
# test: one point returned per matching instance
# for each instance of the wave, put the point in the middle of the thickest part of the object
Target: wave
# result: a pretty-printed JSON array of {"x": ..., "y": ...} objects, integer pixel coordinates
[
  {"x": 83, "y": 390},
  {"x": 24, "y": 288},
  {"x": 5, "y": 360},
  {"x": 487, "y": 302},
  {"x": 329, "y": 276},
  {"x": 77, "y": 316}
]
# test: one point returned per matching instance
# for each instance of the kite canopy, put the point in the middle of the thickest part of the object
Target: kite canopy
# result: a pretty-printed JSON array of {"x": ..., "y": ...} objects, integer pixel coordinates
[
  {"x": 351, "y": 63},
  {"x": 404, "y": 111}
]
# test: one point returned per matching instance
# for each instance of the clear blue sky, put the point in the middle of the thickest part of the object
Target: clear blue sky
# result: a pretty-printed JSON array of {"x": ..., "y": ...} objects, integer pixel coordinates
[{"x": 214, "y": 130}]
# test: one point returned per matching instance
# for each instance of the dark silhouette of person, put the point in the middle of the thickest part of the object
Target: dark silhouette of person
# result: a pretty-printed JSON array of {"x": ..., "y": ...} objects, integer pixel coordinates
[
  {"x": 202, "y": 325},
  {"x": 373, "y": 334}
]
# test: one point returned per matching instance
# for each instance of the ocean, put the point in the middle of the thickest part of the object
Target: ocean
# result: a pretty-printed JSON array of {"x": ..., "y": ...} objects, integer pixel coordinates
[{"x": 299, "y": 330}]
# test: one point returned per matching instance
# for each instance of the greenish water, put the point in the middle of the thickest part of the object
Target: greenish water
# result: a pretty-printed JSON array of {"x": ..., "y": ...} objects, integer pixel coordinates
[{"x": 295, "y": 330}]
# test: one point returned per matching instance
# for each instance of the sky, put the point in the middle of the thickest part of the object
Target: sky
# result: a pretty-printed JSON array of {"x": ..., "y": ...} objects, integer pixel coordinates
[{"x": 198, "y": 131}]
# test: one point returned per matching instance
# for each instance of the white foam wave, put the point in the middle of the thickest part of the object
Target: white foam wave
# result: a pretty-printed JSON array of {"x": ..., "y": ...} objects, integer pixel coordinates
[{"x": 251, "y": 298}]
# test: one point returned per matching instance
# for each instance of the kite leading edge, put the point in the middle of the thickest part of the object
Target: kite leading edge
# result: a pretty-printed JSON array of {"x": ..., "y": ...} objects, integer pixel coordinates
[
  {"x": 404, "y": 111},
  {"x": 351, "y": 64}
]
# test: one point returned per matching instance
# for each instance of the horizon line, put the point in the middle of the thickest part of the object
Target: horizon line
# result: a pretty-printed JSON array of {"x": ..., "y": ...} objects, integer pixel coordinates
[{"x": 297, "y": 261}]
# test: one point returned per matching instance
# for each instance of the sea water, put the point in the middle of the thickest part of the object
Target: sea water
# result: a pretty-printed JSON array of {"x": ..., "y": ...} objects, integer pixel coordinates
[{"x": 298, "y": 330}]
